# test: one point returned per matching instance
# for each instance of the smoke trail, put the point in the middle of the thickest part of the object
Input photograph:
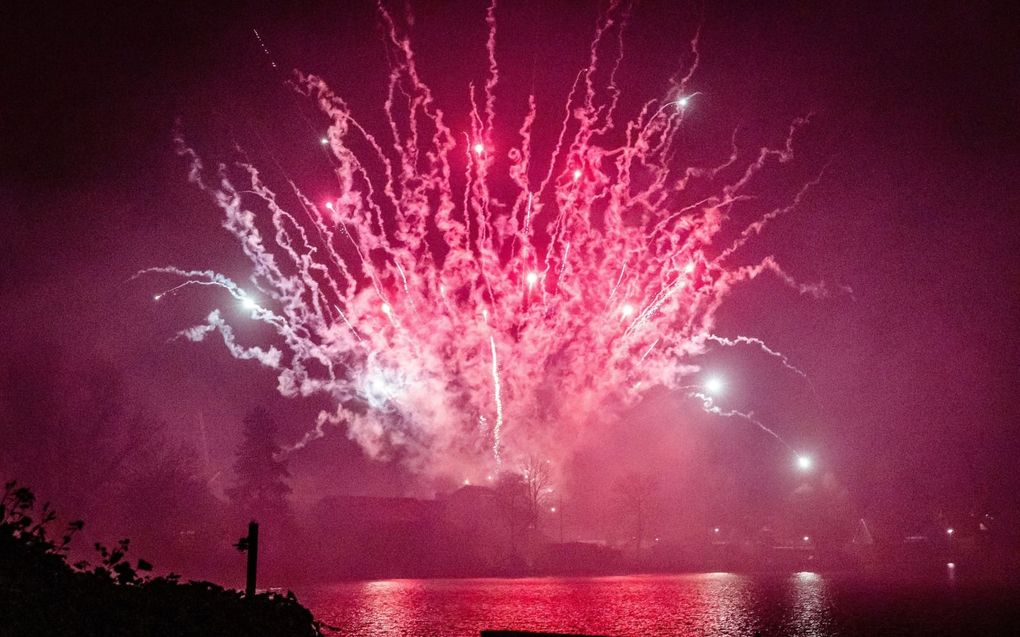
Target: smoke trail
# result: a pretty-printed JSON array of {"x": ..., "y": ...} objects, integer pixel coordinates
[{"x": 590, "y": 273}]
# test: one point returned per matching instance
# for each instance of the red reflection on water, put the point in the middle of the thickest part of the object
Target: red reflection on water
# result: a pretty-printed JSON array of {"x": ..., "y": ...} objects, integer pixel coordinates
[
  {"x": 720, "y": 604},
  {"x": 391, "y": 607},
  {"x": 685, "y": 605},
  {"x": 811, "y": 605}
]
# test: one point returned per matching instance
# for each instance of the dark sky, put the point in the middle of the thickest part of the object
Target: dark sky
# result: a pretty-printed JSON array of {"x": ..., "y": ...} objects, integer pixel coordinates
[{"x": 914, "y": 373}]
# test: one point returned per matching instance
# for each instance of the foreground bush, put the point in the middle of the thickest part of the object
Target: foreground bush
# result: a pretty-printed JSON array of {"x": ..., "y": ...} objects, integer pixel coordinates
[{"x": 41, "y": 594}]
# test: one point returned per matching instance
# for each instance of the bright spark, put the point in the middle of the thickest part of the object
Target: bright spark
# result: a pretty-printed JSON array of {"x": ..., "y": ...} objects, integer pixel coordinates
[
  {"x": 479, "y": 149},
  {"x": 714, "y": 385},
  {"x": 804, "y": 463}
]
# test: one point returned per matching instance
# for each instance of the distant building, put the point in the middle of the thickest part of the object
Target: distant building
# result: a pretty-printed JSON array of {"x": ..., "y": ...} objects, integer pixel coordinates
[{"x": 465, "y": 532}]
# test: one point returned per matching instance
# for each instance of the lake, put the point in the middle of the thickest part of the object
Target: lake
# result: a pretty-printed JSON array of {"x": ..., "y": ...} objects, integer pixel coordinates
[{"x": 812, "y": 604}]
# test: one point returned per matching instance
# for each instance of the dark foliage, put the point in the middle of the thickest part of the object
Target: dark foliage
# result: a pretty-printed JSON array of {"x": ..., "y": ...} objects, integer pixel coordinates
[
  {"x": 40, "y": 594},
  {"x": 261, "y": 490}
]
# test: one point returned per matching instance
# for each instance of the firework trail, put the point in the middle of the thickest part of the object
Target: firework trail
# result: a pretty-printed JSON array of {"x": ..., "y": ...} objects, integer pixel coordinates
[
  {"x": 453, "y": 281},
  {"x": 708, "y": 404},
  {"x": 760, "y": 344}
]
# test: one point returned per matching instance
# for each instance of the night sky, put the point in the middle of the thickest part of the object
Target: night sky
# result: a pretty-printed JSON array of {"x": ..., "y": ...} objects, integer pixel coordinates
[{"x": 913, "y": 374}]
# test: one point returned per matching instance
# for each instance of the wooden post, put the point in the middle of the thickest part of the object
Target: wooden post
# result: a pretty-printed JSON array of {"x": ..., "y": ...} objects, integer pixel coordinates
[{"x": 253, "y": 557}]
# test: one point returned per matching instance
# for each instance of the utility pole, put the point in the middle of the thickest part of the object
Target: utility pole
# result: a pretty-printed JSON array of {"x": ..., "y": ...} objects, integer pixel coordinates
[{"x": 253, "y": 557}]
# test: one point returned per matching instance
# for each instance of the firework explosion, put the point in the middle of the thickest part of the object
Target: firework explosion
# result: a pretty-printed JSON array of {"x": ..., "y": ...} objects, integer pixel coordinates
[{"x": 465, "y": 303}]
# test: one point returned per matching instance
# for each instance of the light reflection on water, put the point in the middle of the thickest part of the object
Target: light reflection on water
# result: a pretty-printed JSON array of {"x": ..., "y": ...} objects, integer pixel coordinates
[
  {"x": 699, "y": 604},
  {"x": 811, "y": 606},
  {"x": 735, "y": 605}
]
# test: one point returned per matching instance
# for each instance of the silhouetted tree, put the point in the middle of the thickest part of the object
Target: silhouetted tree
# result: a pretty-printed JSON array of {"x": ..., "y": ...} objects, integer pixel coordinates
[
  {"x": 520, "y": 497},
  {"x": 168, "y": 505},
  {"x": 536, "y": 478},
  {"x": 512, "y": 503},
  {"x": 261, "y": 488},
  {"x": 635, "y": 495},
  {"x": 71, "y": 432}
]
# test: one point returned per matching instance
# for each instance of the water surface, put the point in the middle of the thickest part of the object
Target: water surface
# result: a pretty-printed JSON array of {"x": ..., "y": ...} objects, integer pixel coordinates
[{"x": 686, "y": 605}]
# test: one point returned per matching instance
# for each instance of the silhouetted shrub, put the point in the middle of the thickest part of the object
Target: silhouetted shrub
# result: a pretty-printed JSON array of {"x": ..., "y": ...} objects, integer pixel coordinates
[{"x": 41, "y": 594}]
